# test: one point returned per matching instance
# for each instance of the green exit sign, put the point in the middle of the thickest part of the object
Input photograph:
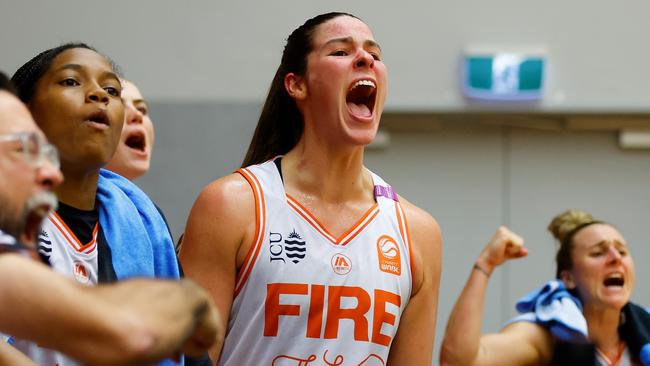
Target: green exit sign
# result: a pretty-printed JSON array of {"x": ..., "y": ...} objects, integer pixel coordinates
[{"x": 505, "y": 76}]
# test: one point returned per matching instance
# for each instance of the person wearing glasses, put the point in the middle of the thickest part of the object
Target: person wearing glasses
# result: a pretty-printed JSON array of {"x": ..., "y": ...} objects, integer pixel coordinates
[
  {"x": 22, "y": 216},
  {"x": 56, "y": 312},
  {"x": 30, "y": 171}
]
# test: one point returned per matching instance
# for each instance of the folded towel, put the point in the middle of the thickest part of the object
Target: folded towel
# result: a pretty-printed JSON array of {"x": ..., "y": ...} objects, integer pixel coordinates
[
  {"x": 134, "y": 229},
  {"x": 556, "y": 309}
]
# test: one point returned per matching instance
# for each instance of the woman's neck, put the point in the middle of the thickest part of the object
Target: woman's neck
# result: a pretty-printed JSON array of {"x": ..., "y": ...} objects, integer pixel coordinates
[
  {"x": 78, "y": 189},
  {"x": 603, "y": 330},
  {"x": 331, "y": 174}
]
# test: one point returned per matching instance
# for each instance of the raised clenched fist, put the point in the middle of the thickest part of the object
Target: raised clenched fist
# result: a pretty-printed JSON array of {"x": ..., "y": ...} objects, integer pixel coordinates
[{"x": 503, "y": 246}]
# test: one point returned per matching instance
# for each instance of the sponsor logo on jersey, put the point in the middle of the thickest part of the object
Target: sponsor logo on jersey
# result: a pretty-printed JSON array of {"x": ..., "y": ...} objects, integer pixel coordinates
[
  {"x": 389, "y": 255},
  {"x": 341, "y": 264},
  {"x": 293, "y": 248},
  {"x": 80, "y": 272}
]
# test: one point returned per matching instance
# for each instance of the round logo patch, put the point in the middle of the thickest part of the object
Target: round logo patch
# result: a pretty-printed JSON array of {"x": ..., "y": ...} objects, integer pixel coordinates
[
  {"x": 80, "y": 272},
  {"x": 341, "y": 264}
]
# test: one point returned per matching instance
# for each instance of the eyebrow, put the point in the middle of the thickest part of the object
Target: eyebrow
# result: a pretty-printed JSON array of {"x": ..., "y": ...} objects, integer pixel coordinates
[
  {"x": 70, "y": 66},
  {"x": 602, "y": 243},
  {"x": 77, "y": 67},
  {"x": 367, "y": 43}
]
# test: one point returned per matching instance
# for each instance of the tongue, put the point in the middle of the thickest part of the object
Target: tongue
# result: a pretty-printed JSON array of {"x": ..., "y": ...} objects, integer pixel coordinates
[{"x": 359, "y": 110}]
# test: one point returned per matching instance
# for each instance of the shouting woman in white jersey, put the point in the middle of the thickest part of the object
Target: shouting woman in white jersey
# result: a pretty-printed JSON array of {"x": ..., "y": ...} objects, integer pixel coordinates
[{"x": 312, "y": 258}]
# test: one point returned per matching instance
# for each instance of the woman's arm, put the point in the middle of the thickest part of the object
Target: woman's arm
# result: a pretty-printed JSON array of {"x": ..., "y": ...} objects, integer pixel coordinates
[
  {"x": 413, "y": 343},
  {"x": 126, "y": 323},
  {"x": 463, "y": 343},
  {"x": 220, "y": 230}
]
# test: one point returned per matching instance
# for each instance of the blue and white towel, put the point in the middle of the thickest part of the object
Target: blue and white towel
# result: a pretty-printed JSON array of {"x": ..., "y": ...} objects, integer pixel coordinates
[{"x": 556, "y": 309}]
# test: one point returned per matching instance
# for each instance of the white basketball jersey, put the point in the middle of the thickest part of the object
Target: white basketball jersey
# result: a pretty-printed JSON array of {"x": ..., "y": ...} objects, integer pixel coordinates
[
  {"x": 71, "y": 258},
  {"x": 304, "y": 297}
]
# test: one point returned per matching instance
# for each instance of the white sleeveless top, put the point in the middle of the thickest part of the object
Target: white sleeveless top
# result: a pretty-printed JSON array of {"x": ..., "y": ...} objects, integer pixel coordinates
[
  {"x": 71, "y": 258},
  {"x": 304, "y": 297}
]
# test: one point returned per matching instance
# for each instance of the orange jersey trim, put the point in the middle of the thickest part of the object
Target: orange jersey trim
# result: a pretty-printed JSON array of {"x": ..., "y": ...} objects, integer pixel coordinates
[
  {"x": 360, "y": 225},
  {"x": 406, "y": 236},
  {"x": 260, "y": 222},
  {"x": 344, "y": 239},
  {"x": 71, "y": 238}
]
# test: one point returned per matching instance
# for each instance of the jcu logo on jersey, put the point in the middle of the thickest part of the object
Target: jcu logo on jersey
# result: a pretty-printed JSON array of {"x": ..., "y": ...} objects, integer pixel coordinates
[{"x": 293, "y": 248}]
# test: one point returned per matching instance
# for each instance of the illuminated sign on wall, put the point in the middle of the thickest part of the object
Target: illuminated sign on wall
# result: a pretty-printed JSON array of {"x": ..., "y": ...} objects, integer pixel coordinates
[{"x": 503, "y": 76}]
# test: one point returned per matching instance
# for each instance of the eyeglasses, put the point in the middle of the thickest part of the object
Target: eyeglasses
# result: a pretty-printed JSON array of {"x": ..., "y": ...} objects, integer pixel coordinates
[{"x": 34, "y": 148}]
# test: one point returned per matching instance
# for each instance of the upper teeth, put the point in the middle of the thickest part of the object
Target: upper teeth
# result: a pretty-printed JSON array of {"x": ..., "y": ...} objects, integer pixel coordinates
[
  {"x": 364, "y": 82},
  {"x": 615, "y": 275}
]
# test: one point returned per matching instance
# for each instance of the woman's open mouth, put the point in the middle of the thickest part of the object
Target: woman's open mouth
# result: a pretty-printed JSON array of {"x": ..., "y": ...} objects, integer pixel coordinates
[
  {"x": 361, "y": 98},
  {"x": 137, "y": 141},
  {"x": 98, "y": 119},
  {"x": 614, "y": 280}
]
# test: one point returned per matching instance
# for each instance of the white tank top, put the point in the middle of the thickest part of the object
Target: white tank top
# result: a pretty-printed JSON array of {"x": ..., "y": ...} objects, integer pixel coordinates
[{"x": 304, "y": 297}]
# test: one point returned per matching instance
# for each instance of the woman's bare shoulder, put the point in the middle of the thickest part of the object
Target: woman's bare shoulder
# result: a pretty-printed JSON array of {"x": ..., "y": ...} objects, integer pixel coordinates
[
  {"x": 231, "y": 193},
  {"x": 421, "y": 223}
]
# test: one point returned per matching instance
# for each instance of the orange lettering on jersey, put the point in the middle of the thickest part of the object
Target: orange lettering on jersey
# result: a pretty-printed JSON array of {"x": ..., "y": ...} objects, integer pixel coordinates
[
  {"x": 272, "y": 307},
  {"x": 335, "y": 311},
  {"x": 389, "y": 256},
  {"x": 357, "y": 314},
  {"x": 381, "y": 316},
  {"x": 315, "y": 320}
]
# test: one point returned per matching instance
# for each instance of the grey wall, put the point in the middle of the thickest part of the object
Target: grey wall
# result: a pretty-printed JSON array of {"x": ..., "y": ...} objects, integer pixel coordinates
[
  {"x": 473, "y": 179},
  {"x": 228, "y": 50},
  {"x": 196, "y": 143}
]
